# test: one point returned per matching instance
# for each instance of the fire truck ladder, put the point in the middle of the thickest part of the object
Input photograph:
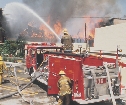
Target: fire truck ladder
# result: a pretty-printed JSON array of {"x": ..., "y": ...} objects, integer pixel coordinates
[
  {"x": 109, "y": 83},
  {"x": 95, "y": 82}
]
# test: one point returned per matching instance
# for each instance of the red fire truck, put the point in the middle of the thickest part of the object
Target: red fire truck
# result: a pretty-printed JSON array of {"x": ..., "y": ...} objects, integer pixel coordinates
[
  {"x": 95, "y": 78},
  {"x": 37, "y": 54}
]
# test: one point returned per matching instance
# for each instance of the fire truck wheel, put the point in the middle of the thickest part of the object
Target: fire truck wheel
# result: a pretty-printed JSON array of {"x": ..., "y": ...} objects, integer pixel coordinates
[{"x": 31, "y": 71}]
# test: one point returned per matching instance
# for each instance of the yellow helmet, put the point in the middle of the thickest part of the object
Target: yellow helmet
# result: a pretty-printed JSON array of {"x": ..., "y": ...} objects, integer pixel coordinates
[
  {"x": 65, "y": 31},
  {"x": 1, "y": 58},
  {"x": 62, "y": 72}
]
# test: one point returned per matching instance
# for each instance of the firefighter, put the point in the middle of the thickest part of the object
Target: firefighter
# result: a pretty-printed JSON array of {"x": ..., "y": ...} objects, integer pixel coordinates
[
  {"x": 67, "y": 41},
  {"x": 2, "y": 67},
  {"x": 64, "y": 85}
]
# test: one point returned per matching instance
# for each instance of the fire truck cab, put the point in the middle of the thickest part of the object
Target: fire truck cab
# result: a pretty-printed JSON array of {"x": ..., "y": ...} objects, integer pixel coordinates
[{"x": 37, "y": 54}]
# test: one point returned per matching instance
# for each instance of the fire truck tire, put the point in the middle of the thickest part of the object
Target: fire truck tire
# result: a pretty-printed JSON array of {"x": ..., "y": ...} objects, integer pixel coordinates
[{"x": 31, "y": 71}]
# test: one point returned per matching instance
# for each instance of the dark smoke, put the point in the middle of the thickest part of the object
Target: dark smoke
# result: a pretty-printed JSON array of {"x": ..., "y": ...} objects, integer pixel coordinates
[
  {"x": 68, "y": 11},
  {"x": 57, "y": 9},
  {"x": 16, "y": 20},
  {"x": 65, "y": 11}
]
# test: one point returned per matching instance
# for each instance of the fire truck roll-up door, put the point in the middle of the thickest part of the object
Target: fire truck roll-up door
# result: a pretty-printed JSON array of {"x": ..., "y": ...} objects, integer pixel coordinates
[
  {"x": 96, "y": 77},
  {"x": 72, "y": 68}
]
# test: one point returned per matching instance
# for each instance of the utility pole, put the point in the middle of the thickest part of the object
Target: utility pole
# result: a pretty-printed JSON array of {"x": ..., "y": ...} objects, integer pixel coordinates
[
  {"x": 86, "y": 40},
  {"x": 85, "y": 34}
]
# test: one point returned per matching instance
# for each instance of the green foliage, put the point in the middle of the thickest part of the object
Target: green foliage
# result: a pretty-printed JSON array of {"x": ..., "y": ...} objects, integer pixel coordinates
[
  {"x": 14, "y": 59},
  {"x": 4, "y": 58},
  {"x": 11, "y": 47},
  {"x": 9, "y": 59},
  {"x": 1, "y": 48},
  {"x": 21, "y": 45}
]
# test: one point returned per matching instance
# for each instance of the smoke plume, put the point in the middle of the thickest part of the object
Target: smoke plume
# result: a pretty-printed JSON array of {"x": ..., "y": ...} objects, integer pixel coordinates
[{"x": 68, "y": 12}]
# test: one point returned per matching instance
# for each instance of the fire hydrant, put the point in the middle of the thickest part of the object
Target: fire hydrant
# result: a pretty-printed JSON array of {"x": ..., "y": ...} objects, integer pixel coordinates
[{"x": 2, "y": 67}]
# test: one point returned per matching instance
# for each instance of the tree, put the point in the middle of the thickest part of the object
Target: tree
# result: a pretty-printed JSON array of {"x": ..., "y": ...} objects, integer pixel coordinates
[
  {"x": 2, "y": 35},
  {"x": 10, "y": 47},
  {"x": 21, "y": 41}
]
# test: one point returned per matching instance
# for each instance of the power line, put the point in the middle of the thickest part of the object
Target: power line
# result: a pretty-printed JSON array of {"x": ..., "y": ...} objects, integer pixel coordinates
[{"x": 91, "y": 17}]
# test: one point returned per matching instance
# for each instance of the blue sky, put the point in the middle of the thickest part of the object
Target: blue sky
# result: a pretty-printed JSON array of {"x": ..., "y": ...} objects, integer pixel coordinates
[
  {"x": 4, "y": 2},
  {"x": 122, "y": 4}
]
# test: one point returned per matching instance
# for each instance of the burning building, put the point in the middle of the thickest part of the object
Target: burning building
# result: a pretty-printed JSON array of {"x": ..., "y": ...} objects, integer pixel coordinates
[
  {"x": 39, "y": 34},
  {"x": 59, "y": 14}
]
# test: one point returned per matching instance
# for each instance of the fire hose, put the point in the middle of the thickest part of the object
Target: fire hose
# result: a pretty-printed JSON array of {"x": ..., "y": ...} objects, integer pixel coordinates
[
  {"x": 17, "y": 85},
  {"x": 9, "y": 95},
  {"x": 19, "y": 90}
]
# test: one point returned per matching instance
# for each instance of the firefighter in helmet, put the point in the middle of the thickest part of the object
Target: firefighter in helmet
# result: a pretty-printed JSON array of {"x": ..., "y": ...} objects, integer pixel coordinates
[
  {"x": 2, "y": 67},
  {"x": 64, "y": 85},
  {"x": 67, "y": 41}
]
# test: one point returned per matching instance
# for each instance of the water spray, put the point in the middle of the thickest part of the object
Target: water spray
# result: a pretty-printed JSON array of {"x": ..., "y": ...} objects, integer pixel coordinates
[{"x": 37, "y": 16}]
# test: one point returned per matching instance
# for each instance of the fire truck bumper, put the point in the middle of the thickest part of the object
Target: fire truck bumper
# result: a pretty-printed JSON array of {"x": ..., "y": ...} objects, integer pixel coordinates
[{"x": 100, "y": 99}]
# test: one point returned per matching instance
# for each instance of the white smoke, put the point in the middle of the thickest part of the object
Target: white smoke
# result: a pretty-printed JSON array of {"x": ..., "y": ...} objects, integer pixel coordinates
[{"x": 66, "y": 11}]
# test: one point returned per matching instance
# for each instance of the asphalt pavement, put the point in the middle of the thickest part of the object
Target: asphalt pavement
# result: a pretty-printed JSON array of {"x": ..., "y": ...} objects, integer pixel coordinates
[{"x": 32, "y": 95}]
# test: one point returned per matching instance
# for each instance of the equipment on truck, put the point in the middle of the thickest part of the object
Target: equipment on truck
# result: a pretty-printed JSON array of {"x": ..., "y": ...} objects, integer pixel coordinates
[{"x": 94, "y": 78}]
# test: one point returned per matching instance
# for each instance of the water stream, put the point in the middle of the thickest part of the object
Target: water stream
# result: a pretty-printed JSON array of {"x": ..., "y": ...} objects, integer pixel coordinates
[{"x": 36, "y": 15}]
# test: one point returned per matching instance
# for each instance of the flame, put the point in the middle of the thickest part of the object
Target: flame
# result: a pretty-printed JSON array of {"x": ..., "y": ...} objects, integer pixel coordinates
[
  {"x": 58, "y": 27},
  {"x": 90, "y": 27},
  {"x": 92, "y": 33},
  {"x": 47, "y": 33},
  {"x": 43, "y": 32},
  {"x": 91, "y": 24}
]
